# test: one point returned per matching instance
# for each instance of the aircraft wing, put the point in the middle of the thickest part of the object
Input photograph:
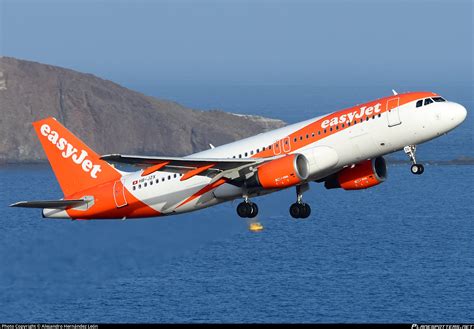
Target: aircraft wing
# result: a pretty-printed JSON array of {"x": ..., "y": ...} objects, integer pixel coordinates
[
  {"x": 54, "y": 204},
  {"x": 221, "y": 167},
  {"x": 178, "y": 162}
]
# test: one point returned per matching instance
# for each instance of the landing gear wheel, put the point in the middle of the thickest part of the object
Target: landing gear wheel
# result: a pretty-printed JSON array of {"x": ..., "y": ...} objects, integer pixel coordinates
[
  {"x": 422, "y": 169},
  {"x": 244, "y": 209},
  {"x": 417, "y": 169},
  {"x": 295, "y": 210},
  {"x": 247, "y": 209},
  {"x": 300, "y": 210},
  {"x": 305, "y": 210},
  {"x": 254, "y": 211}
]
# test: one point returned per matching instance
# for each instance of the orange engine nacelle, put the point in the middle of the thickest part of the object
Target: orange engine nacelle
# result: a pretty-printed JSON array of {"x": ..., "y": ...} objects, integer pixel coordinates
[
  {"x": 363, "y": 175},
  {"x": 280, "y": 173}
]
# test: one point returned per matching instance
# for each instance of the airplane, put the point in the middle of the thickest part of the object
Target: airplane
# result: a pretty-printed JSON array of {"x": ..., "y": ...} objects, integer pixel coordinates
[{"x": 342, "y": 149}]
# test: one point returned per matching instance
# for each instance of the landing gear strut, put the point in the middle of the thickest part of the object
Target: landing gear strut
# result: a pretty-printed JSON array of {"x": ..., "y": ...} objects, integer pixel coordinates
[
  {"x": 299, "y": 209},
  {"x": 247, "y": 209},
  {"x": 416, "y": 168}
]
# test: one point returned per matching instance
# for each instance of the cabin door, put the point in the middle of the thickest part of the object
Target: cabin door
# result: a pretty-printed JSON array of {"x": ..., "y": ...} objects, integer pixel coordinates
[
  {"x": 119, "y": 194},
  {"x": 393, "y": 115}
]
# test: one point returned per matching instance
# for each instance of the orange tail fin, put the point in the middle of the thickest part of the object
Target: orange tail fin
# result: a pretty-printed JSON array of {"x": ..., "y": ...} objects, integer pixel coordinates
[{"x": 75, "y": 165}]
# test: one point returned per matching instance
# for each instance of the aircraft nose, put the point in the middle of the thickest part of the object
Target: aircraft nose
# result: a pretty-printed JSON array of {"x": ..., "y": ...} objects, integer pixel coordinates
[{"x": 458, "y": 113}]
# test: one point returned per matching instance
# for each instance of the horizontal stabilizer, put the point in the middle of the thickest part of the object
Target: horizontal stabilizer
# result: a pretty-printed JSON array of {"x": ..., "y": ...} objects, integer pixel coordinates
[{"x": 52, "y": 204}]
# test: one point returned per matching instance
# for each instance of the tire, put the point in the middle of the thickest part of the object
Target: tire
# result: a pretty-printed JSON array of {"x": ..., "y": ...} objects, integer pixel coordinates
[
  {"x": 305, "y": 210},
  {"x": 295, "y": 210},
  {"x": 244, "y": 209},
  {"x": 254, "y": 210},
  {"x": 421, "y": 169}
]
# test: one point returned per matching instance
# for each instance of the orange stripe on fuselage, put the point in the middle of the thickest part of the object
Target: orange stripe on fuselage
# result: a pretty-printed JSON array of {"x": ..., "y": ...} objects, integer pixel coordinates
[{"x": 316, "y": 132}]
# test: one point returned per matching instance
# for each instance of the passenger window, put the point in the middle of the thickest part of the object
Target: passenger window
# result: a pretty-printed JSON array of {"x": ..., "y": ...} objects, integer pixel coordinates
[
  {"x": 144, "y": 184},
  {"x": 174, "y": 175},
  {"x": 419, "y": 103},
  {"x": 134, "y": 188},
  {"x": 295, "y": 139},
  {"x": 270, "y": 147},
  {"x": 246, "y": 154},
  {"x": 169, "y": 177},
  {"x": 240, "y": 156},
  {"x": 263, "y": 149},
  {"x": 312, "y": 135},
  {"x": 157, "y": 181},
  {"x": 139, "y": 186},
  {"x": 439, "y": 99},
  {"x": 428, "y": 101},
  {"x": 151, "y": 182},
  {"x": 258, "y": 150},
  {"x": 330, "y": 129},
  {"x": 337, "y": 127},
  {"x": 251, "y": 152},
  {"x": 307, "y": 136},
  {"x": 319, "y": 132},
  {"x": 301, "y": 138}
]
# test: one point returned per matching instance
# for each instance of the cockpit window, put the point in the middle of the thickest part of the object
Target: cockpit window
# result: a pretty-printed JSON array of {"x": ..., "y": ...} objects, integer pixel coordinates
[
  {"x": 419, "y": 103},
  {"x": 439, "y": 99},
  {"x": 428, "y": 101}
]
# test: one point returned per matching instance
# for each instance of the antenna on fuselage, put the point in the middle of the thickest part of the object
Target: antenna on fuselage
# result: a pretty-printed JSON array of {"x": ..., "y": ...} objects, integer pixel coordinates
[{"x": 394, "y": 92}]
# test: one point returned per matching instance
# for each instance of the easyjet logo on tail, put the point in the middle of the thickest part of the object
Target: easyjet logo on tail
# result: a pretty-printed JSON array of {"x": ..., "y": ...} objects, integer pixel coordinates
[
  {"x": 69, "y": 151},
  {"x": 349, "y": 117}
]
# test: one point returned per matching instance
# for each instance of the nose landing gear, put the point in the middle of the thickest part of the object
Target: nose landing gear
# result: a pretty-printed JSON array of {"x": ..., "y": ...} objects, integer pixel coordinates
[{"x": 416, "y": 168}]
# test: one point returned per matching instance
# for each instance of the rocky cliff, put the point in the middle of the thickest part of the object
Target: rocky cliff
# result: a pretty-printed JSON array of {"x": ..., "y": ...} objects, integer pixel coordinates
[{"x": 106, "y": 116}]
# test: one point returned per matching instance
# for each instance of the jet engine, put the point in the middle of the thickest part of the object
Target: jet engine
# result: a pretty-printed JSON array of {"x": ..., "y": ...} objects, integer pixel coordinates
[
  {"x": 363, "y": 175},
  {"x": 280, "y": 173}
]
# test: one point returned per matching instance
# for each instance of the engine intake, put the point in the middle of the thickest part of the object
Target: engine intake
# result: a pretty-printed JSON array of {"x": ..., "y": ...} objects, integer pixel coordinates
[
  {"x": 280, "y": 173},
  {"x": 363, "y": 175}
]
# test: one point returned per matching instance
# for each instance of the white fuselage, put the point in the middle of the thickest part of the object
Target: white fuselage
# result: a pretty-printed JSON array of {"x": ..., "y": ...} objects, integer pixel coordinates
[{"x": 381, "y": 134}]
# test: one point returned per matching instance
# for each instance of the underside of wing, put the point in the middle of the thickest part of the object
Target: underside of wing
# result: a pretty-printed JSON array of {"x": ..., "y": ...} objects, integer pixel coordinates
[{"x": 53, "y": 204}]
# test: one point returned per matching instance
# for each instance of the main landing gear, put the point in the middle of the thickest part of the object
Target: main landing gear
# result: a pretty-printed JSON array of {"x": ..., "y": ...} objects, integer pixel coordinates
[
  {"x": 416, "y": 168},
  {"x": 247, "y": 209},
  {"x": 299, "y": 209}
]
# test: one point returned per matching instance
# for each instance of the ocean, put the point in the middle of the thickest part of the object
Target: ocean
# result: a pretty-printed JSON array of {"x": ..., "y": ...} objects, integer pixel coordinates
[{"x": 399, "y": 252}]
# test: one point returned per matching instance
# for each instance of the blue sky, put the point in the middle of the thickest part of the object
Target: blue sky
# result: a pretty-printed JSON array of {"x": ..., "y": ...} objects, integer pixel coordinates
[{"x": 246, "y": 42}]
